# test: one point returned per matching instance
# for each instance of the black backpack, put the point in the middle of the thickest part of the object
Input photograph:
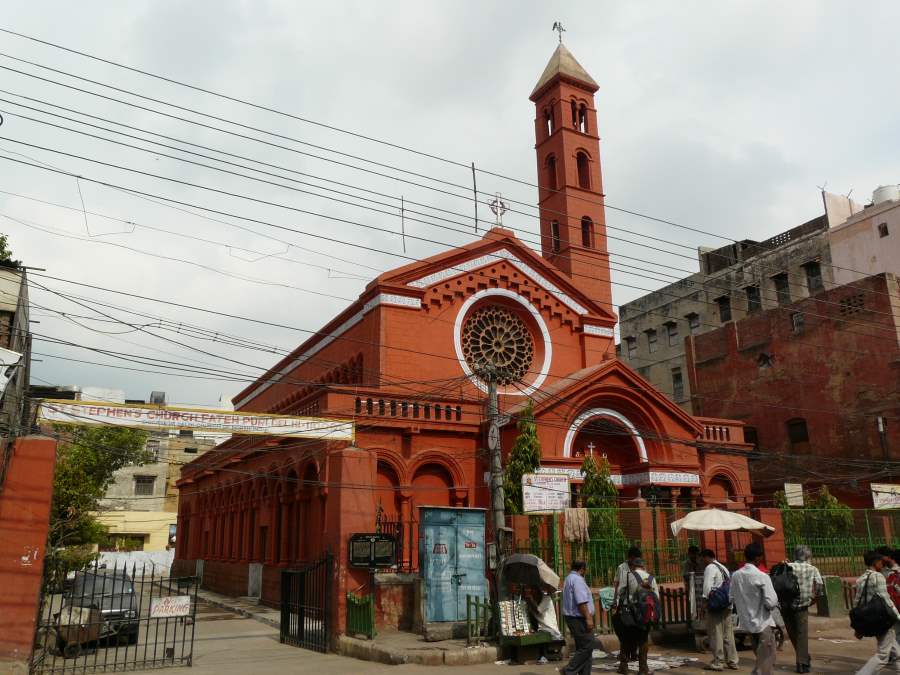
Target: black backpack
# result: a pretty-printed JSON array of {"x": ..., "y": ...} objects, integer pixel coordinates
[
  {"x": 642, "y": 609},
  {"x": 871, "y": 618},
  {"x": 786, "y": 586}
]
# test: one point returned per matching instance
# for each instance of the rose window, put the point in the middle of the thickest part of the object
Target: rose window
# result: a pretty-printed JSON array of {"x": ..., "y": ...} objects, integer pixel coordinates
[{"x": 495, "y": 337}]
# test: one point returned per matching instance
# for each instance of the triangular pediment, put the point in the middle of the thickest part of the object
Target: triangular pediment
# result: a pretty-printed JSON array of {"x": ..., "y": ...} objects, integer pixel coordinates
[
  {"x": 611, "y": 374},
  {"x": 497, "y": 246}
]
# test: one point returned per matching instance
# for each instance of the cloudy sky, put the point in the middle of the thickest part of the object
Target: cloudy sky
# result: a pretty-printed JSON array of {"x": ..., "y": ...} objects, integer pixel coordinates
[{"x": 723, "y": 117}]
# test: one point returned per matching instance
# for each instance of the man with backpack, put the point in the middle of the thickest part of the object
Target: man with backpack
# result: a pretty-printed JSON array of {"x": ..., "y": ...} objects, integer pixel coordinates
[
  {"x": 874, "y": 615},
  {"x": 638, "y": 610},
  {"x": 795, "y": 613},
  {"x": 719, "y": 625},
  {"x": 754, "y": 599}
]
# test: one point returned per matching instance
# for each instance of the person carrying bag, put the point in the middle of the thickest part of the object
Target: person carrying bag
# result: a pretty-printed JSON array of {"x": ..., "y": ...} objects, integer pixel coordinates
[{"x": 874, "y": 615}]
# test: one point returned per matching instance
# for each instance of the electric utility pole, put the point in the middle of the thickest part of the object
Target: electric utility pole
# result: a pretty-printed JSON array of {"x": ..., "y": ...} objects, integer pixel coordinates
[{"x": 493, "y": 413}]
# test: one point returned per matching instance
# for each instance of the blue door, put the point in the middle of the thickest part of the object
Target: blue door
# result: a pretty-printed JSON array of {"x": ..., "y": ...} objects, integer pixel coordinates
[{"x": 451, "y": 554}]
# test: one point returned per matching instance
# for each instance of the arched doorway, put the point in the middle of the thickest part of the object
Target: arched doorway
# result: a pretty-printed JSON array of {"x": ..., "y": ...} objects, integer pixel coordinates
[
  {"x": 431, "y": 486},
  {"x": 604, "y": 430},
  {"x": 387, "y": 492}
]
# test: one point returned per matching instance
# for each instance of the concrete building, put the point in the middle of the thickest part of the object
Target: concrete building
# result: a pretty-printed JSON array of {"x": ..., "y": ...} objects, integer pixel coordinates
[
  {"x": 141, "y": 504},
  {"x": 815, "y": 380},
  {"x": 734, "y": 281},
  {"x": 15, "y": 359},
  {"x": 868, "y": 241}
]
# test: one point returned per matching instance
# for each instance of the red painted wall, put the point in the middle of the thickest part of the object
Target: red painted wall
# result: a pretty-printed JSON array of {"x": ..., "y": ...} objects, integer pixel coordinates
[
  {"x": 837, "y": 374},
  {"x": 24, "y": 521}
]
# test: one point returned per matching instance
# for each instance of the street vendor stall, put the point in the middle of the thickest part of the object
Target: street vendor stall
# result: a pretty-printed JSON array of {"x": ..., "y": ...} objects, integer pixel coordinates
[{"x": 527, "y": 613}]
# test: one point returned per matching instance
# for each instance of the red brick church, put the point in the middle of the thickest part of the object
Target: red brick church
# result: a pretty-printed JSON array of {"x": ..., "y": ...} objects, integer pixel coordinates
[{"x": 400, "y": 361}]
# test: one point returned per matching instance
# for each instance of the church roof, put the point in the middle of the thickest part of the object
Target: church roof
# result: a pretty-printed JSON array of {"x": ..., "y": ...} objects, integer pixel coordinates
[{"x": 564, "y": 64}]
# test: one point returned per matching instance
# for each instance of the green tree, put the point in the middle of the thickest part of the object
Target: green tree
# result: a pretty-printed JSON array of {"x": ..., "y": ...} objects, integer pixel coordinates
[
  {"x": 85, "y": 463},
  {"x": 5, "y": 253},
  {"x": 822, "y": 516},
  {"x": 524, "y": 457}
]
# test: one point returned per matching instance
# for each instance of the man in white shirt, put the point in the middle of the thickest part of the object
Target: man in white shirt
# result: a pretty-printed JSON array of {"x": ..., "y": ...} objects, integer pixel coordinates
[
  {"x": 623, "y": 571},
  {"x": 636, "y": 639},
  {"x": 754, "y": 599},
  {"x": 719, "y": 625},
  {"x": 870, "y": 584}
]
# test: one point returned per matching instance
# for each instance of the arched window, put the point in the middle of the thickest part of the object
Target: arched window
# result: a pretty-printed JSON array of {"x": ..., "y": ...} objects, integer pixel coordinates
[
  {"x": 554, "y": 236},
  {"x": 574, "y": 114},
  {"x": 587, "y": 232},
  {"x": 551, "y": 172},
  {"x": 584, "y": 172},
  {"x": 548, "y": 120},
  {"x": 582, "y": 119}
]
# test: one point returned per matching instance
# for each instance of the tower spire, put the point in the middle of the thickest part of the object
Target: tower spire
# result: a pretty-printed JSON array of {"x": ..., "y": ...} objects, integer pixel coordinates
[{"x": 573, "y": 219}]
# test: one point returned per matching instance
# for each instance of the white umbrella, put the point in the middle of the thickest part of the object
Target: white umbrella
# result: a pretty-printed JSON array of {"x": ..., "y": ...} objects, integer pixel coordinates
[{"x": 719, "y": 520}]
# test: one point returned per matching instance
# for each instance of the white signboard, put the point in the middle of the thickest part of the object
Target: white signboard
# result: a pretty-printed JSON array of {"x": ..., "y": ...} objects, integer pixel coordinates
[
  {"x": 643, "y": 478},
  {"x": 885, "y": 495},
  {"x": 169, "y": 607},
  {"x": 169, "y": 417},
  {"x": 545, "y": 492},
  {"x": 793, "y": 494}
]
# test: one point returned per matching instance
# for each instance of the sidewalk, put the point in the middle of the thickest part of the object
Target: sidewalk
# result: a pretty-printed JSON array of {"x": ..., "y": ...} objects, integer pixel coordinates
[{"x": 248, "y": 607}]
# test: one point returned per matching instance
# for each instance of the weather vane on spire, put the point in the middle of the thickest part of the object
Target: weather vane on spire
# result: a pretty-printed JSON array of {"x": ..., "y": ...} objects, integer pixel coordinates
[{"x": 558, "y": 27}]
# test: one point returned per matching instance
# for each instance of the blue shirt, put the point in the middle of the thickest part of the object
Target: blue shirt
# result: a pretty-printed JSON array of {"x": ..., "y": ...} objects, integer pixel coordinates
[{"x": 576, "y": 592}]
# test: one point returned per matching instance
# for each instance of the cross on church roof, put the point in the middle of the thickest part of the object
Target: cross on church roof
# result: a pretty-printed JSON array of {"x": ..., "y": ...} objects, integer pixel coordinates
[{"x": 498, "y": 206}]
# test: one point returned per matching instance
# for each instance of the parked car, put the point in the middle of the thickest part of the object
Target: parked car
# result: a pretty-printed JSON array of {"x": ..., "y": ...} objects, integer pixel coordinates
[{"x": 111, "y": 594}]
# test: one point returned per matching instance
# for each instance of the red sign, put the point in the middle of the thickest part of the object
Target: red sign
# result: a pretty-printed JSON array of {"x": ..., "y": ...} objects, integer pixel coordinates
[{"x": 471, "y": 544}]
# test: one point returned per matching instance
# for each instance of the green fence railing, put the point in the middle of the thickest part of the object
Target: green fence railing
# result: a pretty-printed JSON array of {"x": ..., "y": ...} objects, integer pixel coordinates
[
  {"x": 361, "y": 615},
  {"x": 478, "y": 619}
]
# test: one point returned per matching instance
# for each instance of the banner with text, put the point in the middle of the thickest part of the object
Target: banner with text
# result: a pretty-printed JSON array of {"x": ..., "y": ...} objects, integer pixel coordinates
[
  {"x": 217, "y": 421},
  {"x": 885, "y": 495},
  {"x": 545, "y": 492}
]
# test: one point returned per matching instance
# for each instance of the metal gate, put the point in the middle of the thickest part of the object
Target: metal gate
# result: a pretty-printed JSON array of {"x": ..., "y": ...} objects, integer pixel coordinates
[
  {"x": 452, "y": 560},
  {"x": 306, "y": 600},
  {"x": 95, "y": 618}
]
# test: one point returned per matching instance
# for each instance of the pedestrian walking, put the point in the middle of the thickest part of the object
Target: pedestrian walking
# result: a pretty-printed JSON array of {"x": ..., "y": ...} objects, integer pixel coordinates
[
  {"x": 871, "y": 585},
  {"x": 719, "y": 624},
  {"x": 578, "y": 612},
  {"x": 891, "y": 572},
  {"x": 796, "y": 616},
  {"x": 623, "y": 571},
  {"x": 754, "y": 599},
  {"x": 634, "y": 639}
]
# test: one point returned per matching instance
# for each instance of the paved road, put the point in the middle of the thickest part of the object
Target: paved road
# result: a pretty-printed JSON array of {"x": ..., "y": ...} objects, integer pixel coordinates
[{"x": 228, "y": 644}]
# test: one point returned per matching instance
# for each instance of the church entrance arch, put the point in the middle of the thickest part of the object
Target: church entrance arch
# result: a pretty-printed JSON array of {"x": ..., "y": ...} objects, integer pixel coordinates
[{"x": 604, "y": 430}]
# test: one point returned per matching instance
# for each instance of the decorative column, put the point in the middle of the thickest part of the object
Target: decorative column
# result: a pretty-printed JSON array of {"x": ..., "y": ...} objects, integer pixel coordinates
[
  {"x": 406, "y": 528},
  {"x": 285, "y": 530}
]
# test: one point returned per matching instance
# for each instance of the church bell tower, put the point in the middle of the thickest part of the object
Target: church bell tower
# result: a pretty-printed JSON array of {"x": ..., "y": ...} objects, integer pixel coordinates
[{"x": 573, "y": 221}]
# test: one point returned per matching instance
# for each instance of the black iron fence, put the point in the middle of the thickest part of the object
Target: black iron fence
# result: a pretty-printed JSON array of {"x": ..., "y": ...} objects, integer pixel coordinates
[
  {"x": 306, "y": 600},
  {"x": 126, "y": 617}
]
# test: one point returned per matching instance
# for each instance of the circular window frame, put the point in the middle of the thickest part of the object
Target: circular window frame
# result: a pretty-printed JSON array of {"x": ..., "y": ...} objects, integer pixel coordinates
[{"x": 535, "y": 315}]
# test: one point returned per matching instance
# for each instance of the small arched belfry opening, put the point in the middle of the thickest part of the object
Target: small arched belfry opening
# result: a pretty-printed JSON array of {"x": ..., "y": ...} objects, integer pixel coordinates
[{"x": 584, "y": 170}]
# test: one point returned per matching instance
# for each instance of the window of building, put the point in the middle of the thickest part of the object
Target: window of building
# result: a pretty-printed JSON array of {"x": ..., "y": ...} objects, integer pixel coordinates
[
  {"x": 582, "y": 119},
  {"x": 750, "y": 436},
  {"x": 797, "y": 431},
  {"x": 191, "y": 451},
  {"x": 574, "y": 114},
  {"x": 853, "y": 304},
  {"x": 883, "y": 230},
  {"x": 651, "y": 340},
  {"x": 584, "y": 171},
  {"x": 724, "y": 304},
  {"x": 631, "y": 344},
  {"x": 672, "y": 333},
  {"x": 797, "y": 322},
  {"x": 677, "y": 384},
  {"x": 693, "y": 322},
  {"x": 754, "y": 303},
  {"x": 548, "y": 120},
  {"x": 782, "y": 288},
  {"x": 153, "y": 449},
  {"x": 551, "y": 172},
  {"x": 813, "y": 277},
  {"x": 764, "y": 360},
  {"x": 143, "y": 485},
  {"x": 189, "y": 433},
  {"x": 587, "y": 232},
  {"x": 644, "y": 372},
  {"x": 554, "y": 236}
]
